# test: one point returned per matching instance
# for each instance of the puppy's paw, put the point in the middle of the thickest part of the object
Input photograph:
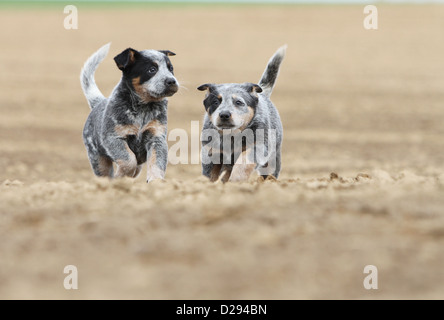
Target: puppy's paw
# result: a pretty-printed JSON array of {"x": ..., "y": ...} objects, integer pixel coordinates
[
  {"x": 239, "y": 176},
  {"x": 241, "y": 172},
  {"x": 155, "y": 180}
]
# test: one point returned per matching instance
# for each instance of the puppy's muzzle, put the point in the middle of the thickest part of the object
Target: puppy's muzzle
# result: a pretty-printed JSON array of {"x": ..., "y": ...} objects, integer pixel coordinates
[
  {"x": 171, "y": 86},
  {"x": 224, "y": 120}
]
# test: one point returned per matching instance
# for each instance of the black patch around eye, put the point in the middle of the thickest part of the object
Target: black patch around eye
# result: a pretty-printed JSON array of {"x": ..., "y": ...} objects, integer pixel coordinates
[
  {"x": 212, "y": 102},
  {"x": 142, "y": 69}
]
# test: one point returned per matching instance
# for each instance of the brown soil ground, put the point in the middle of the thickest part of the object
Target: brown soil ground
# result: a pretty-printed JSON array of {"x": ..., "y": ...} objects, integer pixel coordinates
[{"x": 367, "y": 105}]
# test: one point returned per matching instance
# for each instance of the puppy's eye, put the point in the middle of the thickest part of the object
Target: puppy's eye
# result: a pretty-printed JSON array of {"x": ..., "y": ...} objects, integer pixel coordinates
[
  {"x": 152, "y": 70},
  {"x": 239, "y": 103},
  {"x": 171, "y": 68},
  {"x": 215, "y": 103}
]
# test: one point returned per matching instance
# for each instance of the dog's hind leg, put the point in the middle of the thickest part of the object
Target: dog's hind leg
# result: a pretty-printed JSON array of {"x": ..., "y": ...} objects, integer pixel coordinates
[
  {"x": 278, "y": 164},
  {"x": 272, "y": 167}
]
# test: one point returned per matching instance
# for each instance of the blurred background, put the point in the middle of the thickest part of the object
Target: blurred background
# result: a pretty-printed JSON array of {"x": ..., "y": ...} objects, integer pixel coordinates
[{"x": 352, "y": 101}]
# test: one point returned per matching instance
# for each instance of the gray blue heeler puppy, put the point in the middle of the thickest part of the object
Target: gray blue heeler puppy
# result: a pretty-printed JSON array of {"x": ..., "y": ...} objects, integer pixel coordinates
[
  {"x": 130, "y": 126},
  {"x": 242, "y": 129}
]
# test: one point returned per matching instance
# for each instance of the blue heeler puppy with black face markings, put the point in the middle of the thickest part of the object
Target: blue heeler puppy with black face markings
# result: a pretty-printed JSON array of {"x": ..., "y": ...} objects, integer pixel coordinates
[
  {"x": 242, "y": 129},
  {"x": 129, "y": 127}
]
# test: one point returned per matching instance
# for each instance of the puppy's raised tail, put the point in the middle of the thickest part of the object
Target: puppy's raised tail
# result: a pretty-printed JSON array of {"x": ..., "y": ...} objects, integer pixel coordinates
[
  {"x": 271, "y": 72},
  {"x": 90, "y": 89}
]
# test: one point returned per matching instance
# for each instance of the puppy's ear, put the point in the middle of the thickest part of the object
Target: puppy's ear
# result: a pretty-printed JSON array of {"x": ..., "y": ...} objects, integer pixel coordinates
[
  {"x": 167, "y": 53},
  {"x": 251, "y": 87},
  {"x": 205, "y": 86},
  {"x": 126, "y": 58}
]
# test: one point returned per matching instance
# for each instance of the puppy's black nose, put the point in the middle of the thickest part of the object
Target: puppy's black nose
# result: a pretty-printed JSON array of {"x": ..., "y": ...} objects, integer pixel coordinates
[
  {"x": 225, "y": 115},
  {"x": 170, "y": 82}
]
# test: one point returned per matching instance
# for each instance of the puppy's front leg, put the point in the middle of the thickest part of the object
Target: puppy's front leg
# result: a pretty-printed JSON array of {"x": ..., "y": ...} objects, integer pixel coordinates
[
  {"x": 211, "y": 171},
  {"x": 243, "y": 167},
  {"x": 215, "y": 166},
  {"x": 157, "y": 158},
  {"x": 225, "y": 172},
  {"x": 123, "y": 156}
]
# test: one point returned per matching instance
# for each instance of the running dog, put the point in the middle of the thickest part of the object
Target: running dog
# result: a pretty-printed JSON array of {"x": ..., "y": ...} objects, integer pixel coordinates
[
  {"x": 242, "y": 129},
  {"x": 129, "y": 127}
]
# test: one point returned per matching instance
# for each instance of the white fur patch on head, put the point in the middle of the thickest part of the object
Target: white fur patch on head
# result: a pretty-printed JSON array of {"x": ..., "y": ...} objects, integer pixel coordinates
[{"x": 153, "y": 54}]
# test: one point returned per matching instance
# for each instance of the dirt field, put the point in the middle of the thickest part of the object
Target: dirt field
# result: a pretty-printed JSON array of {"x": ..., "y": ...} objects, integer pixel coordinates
[{"x": 367, "y": 105}]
